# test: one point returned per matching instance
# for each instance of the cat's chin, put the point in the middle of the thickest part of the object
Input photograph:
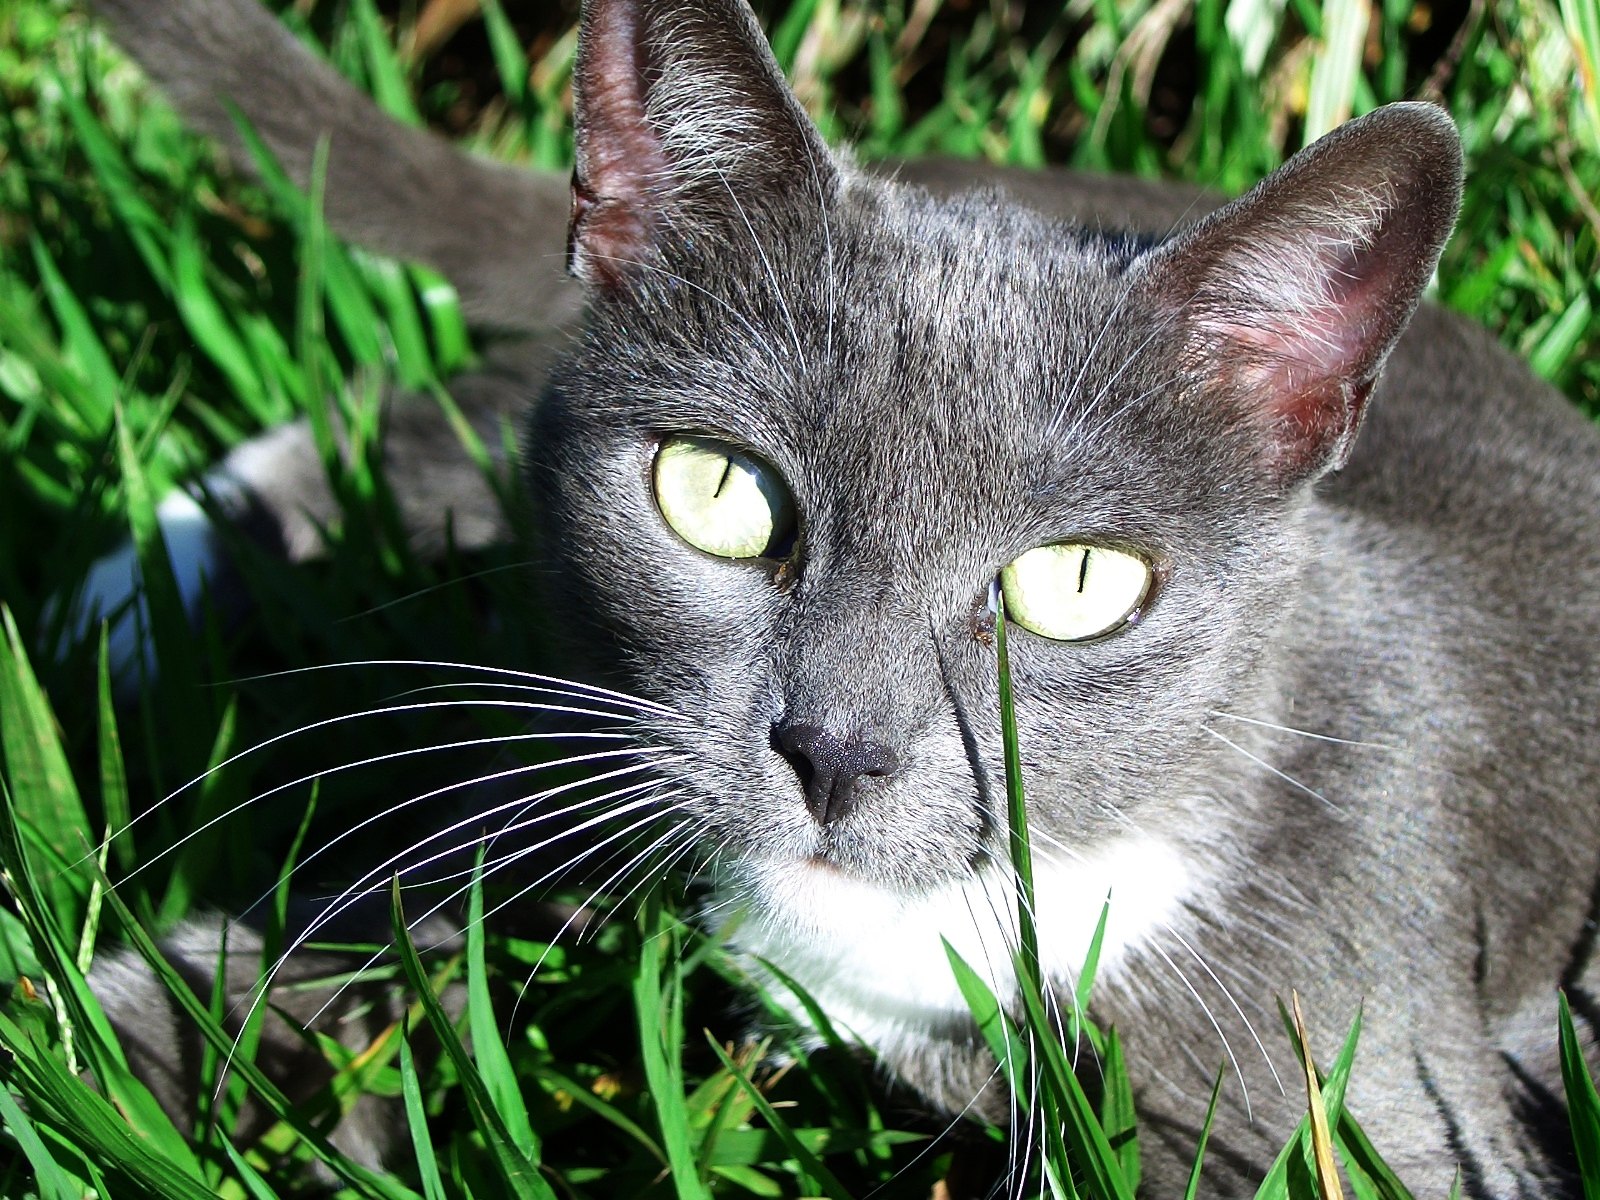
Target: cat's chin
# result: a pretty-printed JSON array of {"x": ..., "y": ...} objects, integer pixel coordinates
[{"x": 874, "y": 955}]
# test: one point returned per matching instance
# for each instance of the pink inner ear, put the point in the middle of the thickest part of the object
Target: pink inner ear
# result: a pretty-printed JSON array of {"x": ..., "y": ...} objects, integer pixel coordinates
[
  {"x": 621, "y": 165},
  {"x": 1307, "y": 354}
]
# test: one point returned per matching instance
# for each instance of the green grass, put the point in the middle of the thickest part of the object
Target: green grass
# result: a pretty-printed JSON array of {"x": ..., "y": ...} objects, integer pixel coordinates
[{"x": 155, "y": 311}]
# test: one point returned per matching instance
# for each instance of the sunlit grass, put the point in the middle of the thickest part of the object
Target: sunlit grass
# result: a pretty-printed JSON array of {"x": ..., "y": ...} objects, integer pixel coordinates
[{"x": 155, "y": 311}]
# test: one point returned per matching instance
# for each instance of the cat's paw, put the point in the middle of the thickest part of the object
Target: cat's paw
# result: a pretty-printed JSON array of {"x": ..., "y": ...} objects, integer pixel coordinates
[{"x": 114, "y": 590}]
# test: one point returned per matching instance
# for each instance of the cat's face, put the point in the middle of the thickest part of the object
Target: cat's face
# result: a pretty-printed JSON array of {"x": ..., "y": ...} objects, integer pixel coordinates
[
  {"x": 931, "y": 391},
  {"x": 940, "y": 389}
]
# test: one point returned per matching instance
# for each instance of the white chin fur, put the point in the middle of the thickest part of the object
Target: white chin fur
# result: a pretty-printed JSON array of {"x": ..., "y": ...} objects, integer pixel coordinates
[{"x": 873, "y": 959}]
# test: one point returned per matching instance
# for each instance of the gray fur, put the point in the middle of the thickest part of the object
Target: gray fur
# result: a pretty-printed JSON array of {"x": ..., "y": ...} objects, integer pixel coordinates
[
  {"x": 1359, "y": 705},
  {"x": 167, "y": 1052}
]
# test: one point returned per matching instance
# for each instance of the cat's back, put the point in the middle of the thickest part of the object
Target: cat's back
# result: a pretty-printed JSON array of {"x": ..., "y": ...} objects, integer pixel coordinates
[
  {"x": 1485, "y": 483},
  {"x": 1463, "y": 438},
  {"x": 1451, "y": 611}
]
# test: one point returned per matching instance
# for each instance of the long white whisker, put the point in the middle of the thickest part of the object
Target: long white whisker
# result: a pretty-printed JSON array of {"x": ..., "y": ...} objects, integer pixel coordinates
[
  {"x": 690, "y": 837},
  {"x": 630, "y": 715},
  {"x": 684, "y": 835},
  {"x": 351, "y": 895},
  {"x": 1227, "y": 1046},
  {"x": 631, "y": 829},
  {"x": 510, "y": 772},
  {"x": 354, "y": 892},
  {"x": 407, "y": 870},
  {"x": 360, "y": 888},
  {"x": 573, "y": 686},
  {"x": 410, "y": 751},
  {"x": 689, "y": 840},
  {"x": 1305, "y": 733},
  {"x": 935, "y": 1143},
  {"x": 328, "y": 722},
  {"x": 1227, "y": 993},
  {"x": 1266, "y": 766}
]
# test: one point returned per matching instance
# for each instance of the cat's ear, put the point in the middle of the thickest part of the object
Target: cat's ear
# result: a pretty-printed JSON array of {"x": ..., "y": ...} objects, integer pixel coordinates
[
  {"x": 683, "y": 121},
  {"x": 1288, "y": 300}
]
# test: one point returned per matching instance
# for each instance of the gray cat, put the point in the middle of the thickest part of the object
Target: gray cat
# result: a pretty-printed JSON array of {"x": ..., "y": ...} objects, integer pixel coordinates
[{"x": 1313, "y": 710}]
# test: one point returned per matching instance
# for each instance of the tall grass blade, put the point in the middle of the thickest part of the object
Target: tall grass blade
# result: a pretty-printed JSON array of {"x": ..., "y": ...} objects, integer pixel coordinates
[
  {"x": 488, "y": 1042},
  {"x": 114, "y": 799},
  {"x": 510, "y": 63},
  {"x": 1582, "y": 21},
  {"x": 84, "y": 349},
  {"x": 361, "y": 1180},
  {"x": 660, "y": 1015},
  {"x": 1583, "y": 1103},
  {"x": 82, "y": 1028},
  {"x": 1117, "y": 1114},
  {"x": 47, "y": 804},
  {"x": 582, "y": 1095},
  {"x": 1068, "y": 1116},
  {"x": 1332, "y": 1087},
  {"x": 255, "y": 1186},
  {"x": 517, "y": 1171},
  {"x": 53, "y": 1183},
  {"x": 86, "y": 1120},
  {"x": 998, "y": 1030},
  {"x": 417, "y": 1123},
  {"x": 384, "y": 70},
  {"x": 1017, "y": 817},
  {"x": 1193, "y": 1190}
]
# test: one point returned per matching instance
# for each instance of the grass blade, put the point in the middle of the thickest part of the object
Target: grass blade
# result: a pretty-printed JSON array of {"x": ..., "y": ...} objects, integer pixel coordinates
[
  {"x": 517, "y": 1171},
  {"x": 1117, "y": 1114},
  {"x": 49, "y": 807},
  {"x": 1321, "y": 1139},
  {"x": 417, "y": 1123},
  {"x": 817, "y": 1178},
  {"x": 488, "y": 1044},
  {"x": 1583, "y": 1103},
  {"x": 1336, "y": 74},
  {"x": 660, "y": 1016},
  {"x": 1193, "y": 1190},
  {"x": 53, "y": 1183},
  {"x": 88, "y": 1121}
]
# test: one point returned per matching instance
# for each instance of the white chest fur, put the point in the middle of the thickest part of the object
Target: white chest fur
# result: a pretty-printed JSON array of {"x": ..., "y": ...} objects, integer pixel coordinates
[{"x": 874, "y": 960}]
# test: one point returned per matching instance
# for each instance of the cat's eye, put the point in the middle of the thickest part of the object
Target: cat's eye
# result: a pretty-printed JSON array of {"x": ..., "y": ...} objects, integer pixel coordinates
[
  {"x": 722, "y": 500},
  {"x": 1071, "y": 592}
]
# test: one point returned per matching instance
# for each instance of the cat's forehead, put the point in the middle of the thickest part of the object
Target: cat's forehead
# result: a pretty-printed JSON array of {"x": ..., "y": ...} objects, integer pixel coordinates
[
  {"x": 905, "y": 338},
  {"x": 913, "y": 369},
  {"x": 894, "y": 311}
]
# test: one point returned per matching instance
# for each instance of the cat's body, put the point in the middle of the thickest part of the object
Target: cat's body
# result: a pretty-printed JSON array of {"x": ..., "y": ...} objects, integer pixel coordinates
[{"x": 1344, "y": 746}]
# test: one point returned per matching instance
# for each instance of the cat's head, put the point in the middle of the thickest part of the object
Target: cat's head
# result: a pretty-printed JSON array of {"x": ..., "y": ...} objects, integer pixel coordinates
[{"x": 817, "y": 422}]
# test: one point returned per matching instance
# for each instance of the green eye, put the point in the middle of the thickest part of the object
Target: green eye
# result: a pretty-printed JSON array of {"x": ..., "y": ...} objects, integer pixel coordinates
[
  {"x": 720, "y": 499},
  {"x": 1073, "y": 592}
]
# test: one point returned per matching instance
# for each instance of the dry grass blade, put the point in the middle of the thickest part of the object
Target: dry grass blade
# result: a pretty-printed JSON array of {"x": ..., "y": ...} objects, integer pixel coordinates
[{"x": 1321, "y": 1136}]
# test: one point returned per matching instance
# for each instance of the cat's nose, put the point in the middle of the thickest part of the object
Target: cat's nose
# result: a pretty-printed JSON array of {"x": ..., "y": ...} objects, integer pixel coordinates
[{"x": 830, "y": 767}]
